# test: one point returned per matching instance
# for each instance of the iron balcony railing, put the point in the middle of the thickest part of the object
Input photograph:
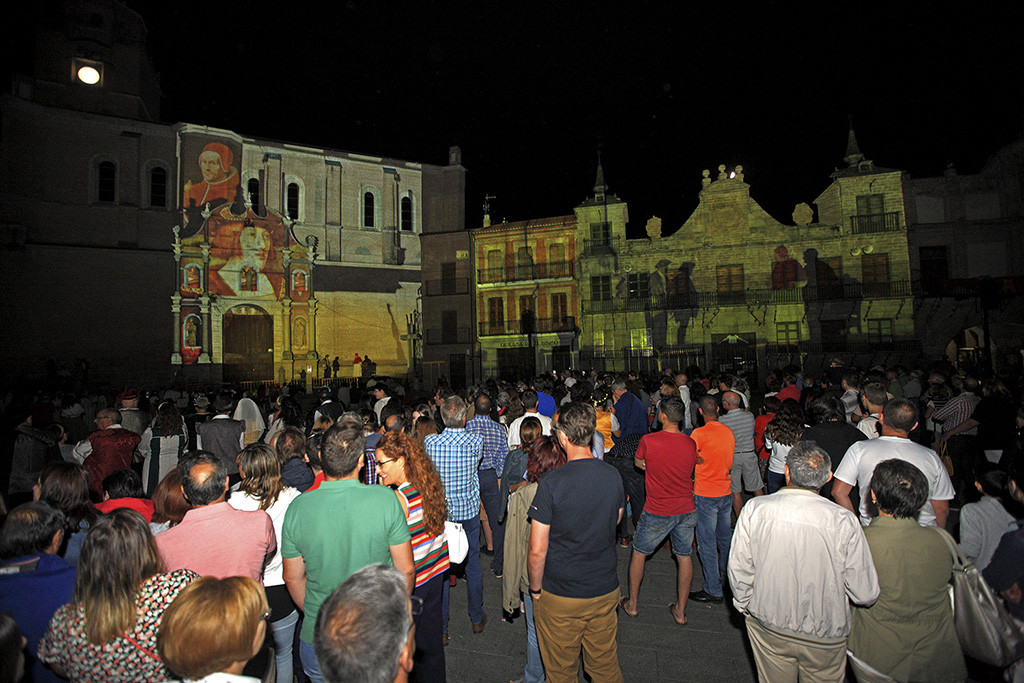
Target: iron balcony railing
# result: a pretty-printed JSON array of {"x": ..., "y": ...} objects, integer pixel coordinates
[
  {"x": 446, "y": 286},
  {"x": 875, "y": 222},
  {"x": 601, "y": 247},
  {"x": 833, "y": 292},
  {"x": 448, "y": 335},
  {"x": 533, "y": 271},
  {"x": 491, "y": 328}
]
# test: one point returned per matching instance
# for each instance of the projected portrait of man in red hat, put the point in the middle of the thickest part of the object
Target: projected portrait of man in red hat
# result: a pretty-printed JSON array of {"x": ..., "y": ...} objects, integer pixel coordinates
[{"x": 220, "y": 178}]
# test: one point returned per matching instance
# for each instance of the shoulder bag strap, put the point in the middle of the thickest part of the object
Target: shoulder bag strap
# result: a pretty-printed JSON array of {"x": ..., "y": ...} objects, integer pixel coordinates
[{"x": 960, "y": 563}]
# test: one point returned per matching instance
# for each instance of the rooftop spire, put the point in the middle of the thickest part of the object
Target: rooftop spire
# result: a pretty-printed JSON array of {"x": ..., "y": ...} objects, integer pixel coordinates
[
  {"x": 853, "y": 153},
  {"x": 599, "y": 186}
]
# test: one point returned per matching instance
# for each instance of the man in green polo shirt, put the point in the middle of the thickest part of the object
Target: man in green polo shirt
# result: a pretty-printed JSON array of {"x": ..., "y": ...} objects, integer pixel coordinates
[{"x": 338, "y": 529}]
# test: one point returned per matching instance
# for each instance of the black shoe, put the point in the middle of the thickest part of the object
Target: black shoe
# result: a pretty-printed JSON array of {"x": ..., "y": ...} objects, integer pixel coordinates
[
  {"x": 497, "y": 572},
  {"x": 701, "y": 596}
]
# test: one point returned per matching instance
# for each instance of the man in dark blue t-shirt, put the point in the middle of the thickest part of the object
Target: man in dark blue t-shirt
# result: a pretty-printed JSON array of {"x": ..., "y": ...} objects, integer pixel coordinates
[
  {"x": 572, "y": 561},
  {"x": 628, "y": 410}
]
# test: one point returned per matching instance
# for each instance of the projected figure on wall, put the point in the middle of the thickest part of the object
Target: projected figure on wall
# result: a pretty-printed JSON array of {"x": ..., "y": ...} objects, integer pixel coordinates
[
  {"x": 786, "y": 271},
  {"x": 220, "y": 178},
  {"x": 191, "y": 332},
  {"x": 247, "y": 252},
  {"x": 299, "y": 282},
  {"x": 193, "y": 283}
]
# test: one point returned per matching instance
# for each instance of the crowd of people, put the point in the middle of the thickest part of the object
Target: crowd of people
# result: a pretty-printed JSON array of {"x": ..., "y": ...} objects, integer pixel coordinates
[{"x": 279, "y": 535}]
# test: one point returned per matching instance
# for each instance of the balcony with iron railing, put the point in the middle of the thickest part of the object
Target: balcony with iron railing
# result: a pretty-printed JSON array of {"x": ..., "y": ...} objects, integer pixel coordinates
[
  {"x": 533, "y": 271},
  {"x": 840, "y": 291},
  {"x": 607, "y": 246},
  {"x": 446, "y": 286},
  {"x": 448, "y": 335},
  {"x": 490, "y": 328},
  {"x": 876, "y": 222}
]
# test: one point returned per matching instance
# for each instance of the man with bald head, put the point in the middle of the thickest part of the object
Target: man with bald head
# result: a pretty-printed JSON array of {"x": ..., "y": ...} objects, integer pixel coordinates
[
  {"x": 745, "y": 474},
  {"x": 215, "y": 539},
  {"x": 108, "y": 449}
]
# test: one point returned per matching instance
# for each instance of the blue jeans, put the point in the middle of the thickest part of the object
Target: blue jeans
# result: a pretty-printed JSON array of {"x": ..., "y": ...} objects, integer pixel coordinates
[
  {"x": 714, "y": 535},
  {"x": 309, "y": 663},
  {"x": 534, "y": 672},
  {"x": 490, "y": 496},
  {"x": 284, "y": 632},
  {"x": 474, "y": 579},
  {"x": 428, "y": 662},
  {"x": 775, "y": 481}
]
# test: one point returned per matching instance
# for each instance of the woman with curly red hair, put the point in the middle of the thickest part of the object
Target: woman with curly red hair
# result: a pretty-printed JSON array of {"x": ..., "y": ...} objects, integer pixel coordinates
[{"x": 402, "y": 463}]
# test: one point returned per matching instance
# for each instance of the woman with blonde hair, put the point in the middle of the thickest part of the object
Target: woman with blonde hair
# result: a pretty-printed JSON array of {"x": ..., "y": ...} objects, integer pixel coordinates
[
  {"x": 402, "y": 463},
  {"x": 262, "y": 488},
  {"x": 215, "y": 626},
  {"x": 108, "y": 630}
]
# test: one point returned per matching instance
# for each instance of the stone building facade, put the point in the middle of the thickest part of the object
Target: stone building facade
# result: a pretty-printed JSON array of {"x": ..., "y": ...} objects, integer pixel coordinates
[
  {"x": 734, "y": 289},
  {"x": 183, "y": 252},
  {"x": 526, "y": 296},
  {"x": 967, "y": 251}
]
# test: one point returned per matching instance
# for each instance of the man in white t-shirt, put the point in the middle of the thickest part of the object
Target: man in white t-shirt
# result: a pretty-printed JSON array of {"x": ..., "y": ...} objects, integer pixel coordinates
[
  {"x": 529, "y": 398},
  {"x": 898, "y": 419},
  {"x": 872, "y": 397}
]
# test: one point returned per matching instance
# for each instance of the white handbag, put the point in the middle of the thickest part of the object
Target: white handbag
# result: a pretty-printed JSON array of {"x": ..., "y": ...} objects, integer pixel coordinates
[{"x": 458, "y": 543}]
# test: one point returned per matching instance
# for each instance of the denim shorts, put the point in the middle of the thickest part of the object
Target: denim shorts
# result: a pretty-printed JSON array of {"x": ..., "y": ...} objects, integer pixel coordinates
[{"x": 652, "y": 530}]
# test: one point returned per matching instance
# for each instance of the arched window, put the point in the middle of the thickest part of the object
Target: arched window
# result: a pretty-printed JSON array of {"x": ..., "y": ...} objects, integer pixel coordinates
[
  {"x": 158, "y": 187},
  {"x": 292, "y": 198},
  {"x": 106, "y": 182},
  {"x": 253, "y": 187},
  {"x": 369, "y": 209},
  {"x": 407, "y": 213}
]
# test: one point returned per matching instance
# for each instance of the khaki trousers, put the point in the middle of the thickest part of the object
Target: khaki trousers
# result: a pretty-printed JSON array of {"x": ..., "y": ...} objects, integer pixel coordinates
[
  {"x": 566, "y": 624},
  {"x": 788, "y": 659}
]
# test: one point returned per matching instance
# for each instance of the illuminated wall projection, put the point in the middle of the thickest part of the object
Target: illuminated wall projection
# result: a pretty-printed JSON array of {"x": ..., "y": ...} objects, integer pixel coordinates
[{"x": 232, "y": 252}]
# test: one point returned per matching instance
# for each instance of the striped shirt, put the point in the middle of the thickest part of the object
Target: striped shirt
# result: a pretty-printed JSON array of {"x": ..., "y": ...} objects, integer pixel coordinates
[
  {"x": 430, "y": 553},
  {"x": 956, "y": 412}
]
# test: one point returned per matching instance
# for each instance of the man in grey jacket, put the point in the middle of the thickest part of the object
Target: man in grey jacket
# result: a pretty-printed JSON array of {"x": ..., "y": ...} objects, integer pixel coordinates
[{"x": 797, "y": 561}]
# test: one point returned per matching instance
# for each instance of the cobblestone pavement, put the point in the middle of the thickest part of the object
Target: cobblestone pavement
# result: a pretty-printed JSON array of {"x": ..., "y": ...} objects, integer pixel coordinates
[{"x": 652, "y": 647}]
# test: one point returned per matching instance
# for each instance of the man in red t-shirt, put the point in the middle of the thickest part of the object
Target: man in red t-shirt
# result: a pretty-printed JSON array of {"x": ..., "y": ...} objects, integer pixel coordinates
[
  {"x": 712, "y": 495},
  {"x": 669, "y": 458}
]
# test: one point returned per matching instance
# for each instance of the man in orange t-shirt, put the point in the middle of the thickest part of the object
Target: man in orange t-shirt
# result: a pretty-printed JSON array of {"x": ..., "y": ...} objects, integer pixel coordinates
[{"x": 712, "y": 495}]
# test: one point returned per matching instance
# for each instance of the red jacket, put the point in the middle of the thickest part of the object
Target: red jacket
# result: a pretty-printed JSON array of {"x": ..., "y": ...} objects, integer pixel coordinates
[
  {"x": 112, "y": 450},
  {"x": 141, "y": 505}
]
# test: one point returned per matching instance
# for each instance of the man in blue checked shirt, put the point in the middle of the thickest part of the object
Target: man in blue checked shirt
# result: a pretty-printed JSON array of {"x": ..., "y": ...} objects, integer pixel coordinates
[
  {"x": 457, "y": 454},
  {"x": 495, "y": 438}
]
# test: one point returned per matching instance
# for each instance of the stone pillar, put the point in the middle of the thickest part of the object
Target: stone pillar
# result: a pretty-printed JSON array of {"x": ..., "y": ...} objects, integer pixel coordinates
[
  {"x": 312, "y": 355},
  {"x": 286, "y": 315},
  {"x": 206, "y": 355},
  {"x": 176, "y": 299},
  {"x": 176, "y": 310}
]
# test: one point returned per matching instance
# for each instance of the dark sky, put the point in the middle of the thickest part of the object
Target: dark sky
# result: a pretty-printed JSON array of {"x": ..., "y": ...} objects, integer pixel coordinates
[{"x": 530, "y": 90}]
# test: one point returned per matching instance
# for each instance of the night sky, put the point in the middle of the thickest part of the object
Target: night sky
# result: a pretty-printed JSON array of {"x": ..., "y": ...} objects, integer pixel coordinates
[{"x": 531, "y": 90}]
